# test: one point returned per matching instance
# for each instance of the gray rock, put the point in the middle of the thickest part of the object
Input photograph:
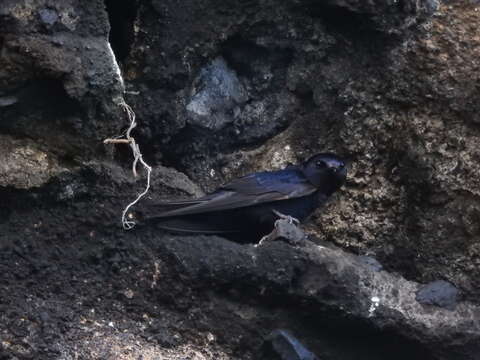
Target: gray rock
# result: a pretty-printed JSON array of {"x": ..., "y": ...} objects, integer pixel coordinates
[
  {"x": 78, "y": 68},
  {"x": 401, "y": 106},
  {"x": 439, "y": 293},
  {"x": 216, "y": 97},
  {"x": 332, "y": 282},
  {"x": 48, "y": 16}
]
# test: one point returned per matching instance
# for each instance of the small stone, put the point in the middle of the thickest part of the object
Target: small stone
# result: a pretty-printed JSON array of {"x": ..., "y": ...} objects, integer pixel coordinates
[
  {"x": 216, "y": 94},
  {"x": 48, "y": 16},
  {"x": 438, "y": 293}
]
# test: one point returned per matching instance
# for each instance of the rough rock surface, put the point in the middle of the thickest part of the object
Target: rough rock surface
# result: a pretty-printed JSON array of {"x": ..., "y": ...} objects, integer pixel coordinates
[
  {"x": 24, "y": 166},
  {"x": 221, "y": 88},
  {"x": 327, "y": 280},
  {"x": 439, "y": 293}
]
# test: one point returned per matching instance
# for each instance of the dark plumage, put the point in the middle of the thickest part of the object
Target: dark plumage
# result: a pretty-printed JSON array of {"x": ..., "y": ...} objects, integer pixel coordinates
[{"x": 250, "y": 205}]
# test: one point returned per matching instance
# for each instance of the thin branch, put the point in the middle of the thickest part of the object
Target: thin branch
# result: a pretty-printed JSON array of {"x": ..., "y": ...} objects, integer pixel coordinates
[{"x": 137, "y": 158}]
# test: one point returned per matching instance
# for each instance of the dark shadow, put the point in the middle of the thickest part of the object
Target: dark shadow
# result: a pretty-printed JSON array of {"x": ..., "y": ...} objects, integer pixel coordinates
[
  {"x": 122, "y": 15},
  {"x": 244, "y": 55}
]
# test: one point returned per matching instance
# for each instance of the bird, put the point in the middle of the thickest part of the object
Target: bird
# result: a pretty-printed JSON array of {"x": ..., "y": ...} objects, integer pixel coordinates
[{"x": 249, "y": 206}]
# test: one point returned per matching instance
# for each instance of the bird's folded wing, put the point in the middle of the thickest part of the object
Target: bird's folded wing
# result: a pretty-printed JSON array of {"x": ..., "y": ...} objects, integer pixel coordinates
[{"x": 246, "y": 191}]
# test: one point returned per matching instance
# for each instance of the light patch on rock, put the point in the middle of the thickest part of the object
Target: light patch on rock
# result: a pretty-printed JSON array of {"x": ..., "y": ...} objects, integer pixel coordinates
[
  {"x": 280, "y": 158},
  {"x": 116, "y": 68},
  {"x": 68, "y": 19},
  {"x": 23, "y": 13},
  {"x": 23, "y": 165},
  {"x": 216, "y": 95},
  {"x": 375, "y": 302}
]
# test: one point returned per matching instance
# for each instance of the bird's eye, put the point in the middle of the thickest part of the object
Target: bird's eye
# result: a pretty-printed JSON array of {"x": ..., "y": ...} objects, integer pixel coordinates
[{"x": 321, "y": 164}]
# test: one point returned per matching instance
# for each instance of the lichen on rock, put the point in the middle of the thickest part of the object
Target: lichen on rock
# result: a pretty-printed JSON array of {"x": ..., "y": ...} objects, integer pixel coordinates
[{"x": 23, "y": 165}]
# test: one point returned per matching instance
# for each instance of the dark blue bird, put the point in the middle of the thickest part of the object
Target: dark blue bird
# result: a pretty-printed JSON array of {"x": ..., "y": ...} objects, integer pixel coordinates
[{"x": 250, "y": 205}]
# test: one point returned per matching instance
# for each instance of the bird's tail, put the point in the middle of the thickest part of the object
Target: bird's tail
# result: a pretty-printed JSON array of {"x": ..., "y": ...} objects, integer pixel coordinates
[{"x": 184, "y": 225}]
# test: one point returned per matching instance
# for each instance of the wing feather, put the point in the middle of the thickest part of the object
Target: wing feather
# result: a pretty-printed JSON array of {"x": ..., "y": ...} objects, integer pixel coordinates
[{"x": 246, "y": 191}]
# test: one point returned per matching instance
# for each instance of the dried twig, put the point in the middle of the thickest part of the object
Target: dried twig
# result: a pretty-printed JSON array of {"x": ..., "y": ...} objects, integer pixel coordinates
[
  {"x": 117, "y": 141},
  {"x": 137, "y": 157}
]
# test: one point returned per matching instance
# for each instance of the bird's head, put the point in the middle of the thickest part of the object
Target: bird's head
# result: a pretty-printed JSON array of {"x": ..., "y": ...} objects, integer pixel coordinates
[{"x": 326, "y": 171}]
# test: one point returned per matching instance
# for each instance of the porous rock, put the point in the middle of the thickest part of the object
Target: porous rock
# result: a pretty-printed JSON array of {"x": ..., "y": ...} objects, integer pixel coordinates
[
  {"x": 328, "y": 280},
  {"x": 24, "y": 165},
  {"x": 439, "y": 293},
  {"x": 393, "y": 87}
]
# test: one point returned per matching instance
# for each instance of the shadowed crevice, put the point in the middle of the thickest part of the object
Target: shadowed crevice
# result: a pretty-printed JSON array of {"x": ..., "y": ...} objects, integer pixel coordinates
[{"x": 122, "y": 15}]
